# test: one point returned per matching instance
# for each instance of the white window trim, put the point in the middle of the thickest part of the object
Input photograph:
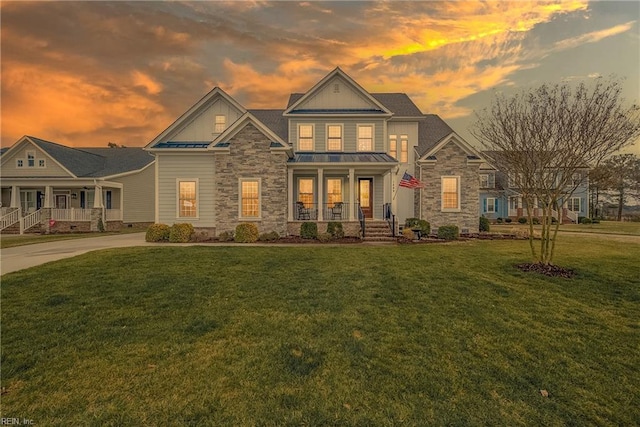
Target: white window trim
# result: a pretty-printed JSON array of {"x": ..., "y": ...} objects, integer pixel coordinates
[
  {"x": 442, "y": 208},
  {"x": 403, "y": 138},
  {"x": 19, "y": 163},
  {"x": 44, "y": 163},
  {"x": 27, "y": 158},
  {"x": 197, "y": 181},
  {"x": 313, "y": 188},
  {"x": 373, "y": 136},
  {"x": 313, "y": 136},
  {"x": 250, "y": 218},
  {"x": 481, "y": 183},
  {"x": 215, "y": 123},
  {"x": 393, "y": 138},
  {"x": 491, "y": 201},
  {"x": 571, "y": 205},
  {"x": 341, "y": 136},
  {"x": 326, "y": 187}
]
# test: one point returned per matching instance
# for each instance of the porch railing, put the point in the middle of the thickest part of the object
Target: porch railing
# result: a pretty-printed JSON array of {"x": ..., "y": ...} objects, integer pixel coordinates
[
  {"x": 71, "y": 214},
  {"x": 335, "y": 211},
  {"x": 389, "y": 216},
  {"x": 10, "y": 216},
  {"x": 573, "y": 216},
  {"x": 31, "y": 220}
]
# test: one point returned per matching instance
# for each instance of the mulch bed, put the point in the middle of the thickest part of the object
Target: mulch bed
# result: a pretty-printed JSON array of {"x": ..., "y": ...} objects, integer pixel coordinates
[{"x": 547, "y": 270}]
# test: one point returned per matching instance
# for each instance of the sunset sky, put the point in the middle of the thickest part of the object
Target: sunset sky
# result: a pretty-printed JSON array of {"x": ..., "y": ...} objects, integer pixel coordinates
[{"x": 89, "y": 73}]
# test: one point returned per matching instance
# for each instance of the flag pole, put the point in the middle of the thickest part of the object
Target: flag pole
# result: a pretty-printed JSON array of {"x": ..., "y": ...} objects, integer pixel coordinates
[{"x": 398, "y": 186}]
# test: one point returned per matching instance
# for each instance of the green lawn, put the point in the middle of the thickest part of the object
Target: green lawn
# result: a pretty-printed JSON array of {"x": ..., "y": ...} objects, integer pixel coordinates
[
  {"x": 604, "y": 227},
  {"x": 432, "y": 334}
]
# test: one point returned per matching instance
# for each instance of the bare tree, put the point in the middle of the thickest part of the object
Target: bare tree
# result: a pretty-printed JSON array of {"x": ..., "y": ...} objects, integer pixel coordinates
[
  {"x": 625, "y": 179},
  {"x": 544, "y": 137}
]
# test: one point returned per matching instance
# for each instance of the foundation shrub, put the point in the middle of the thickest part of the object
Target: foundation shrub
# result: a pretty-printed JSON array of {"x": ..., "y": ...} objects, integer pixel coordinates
[
  {"x": 484, "y": 224},
  {"x": 449, "y": 232},
  {"x": 522, "y": 220},
  {"x": 335, "y": 230},
  {"x": 181, "y": 233},
  {"x": 508, "y": 220},
  {"x": 157, "y": 233},
  {"x": 309, "y": 230},
  {"x": 246, "y": 233},
  {"x": 225, "y": 236},
  {"x": 418, "y": 224},
  {"x": 325, "y": 237},
  {"x": 408, "y": 233},
  {"x": 269, "y": 237}
]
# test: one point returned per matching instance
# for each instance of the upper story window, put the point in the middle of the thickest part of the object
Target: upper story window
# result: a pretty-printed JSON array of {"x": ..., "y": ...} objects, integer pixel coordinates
[
  {"x": 220, "y": 124},
  {"x": 487, "y": 180},
  {"x": 334, "y": 137},
  {"x": 41, "y": 163},
  {"x": 19, "y": 163},
  {"x": 305, "y": 137},
  {"x": 404, "y": 148},
  {"x": 31, "y": 159},
  {"x": 393, "y": 146},
  {"x": 450, "y": 193},
  {"x": 365, "y": 137},
  {"x": 576, "y": 179}
]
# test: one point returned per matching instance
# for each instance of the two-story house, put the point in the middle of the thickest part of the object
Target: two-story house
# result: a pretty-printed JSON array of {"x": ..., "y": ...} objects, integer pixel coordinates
[{"x": 335, "y": 153}]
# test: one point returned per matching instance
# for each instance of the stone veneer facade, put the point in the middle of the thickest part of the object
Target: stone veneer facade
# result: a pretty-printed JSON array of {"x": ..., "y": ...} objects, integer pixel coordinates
[
  {"x": 451, "y": 161},
  {"x": 250, "y": 156}
]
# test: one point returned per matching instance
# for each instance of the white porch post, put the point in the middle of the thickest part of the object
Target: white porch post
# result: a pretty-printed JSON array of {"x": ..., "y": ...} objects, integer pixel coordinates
[
  {"x": 290, "y": 195},
  {"x": 352, "y": 195},
  {"x": 48, "y": 197},
  {"x": 15, "y": 196},
  {"x": 320, "y": 194},
  {"x": 122, "y": 204},
  {"x": 97, "y": 197}
]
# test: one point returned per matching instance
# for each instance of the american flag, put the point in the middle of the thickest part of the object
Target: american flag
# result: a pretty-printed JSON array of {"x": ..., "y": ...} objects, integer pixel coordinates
[{"x": 408, "y": 181}]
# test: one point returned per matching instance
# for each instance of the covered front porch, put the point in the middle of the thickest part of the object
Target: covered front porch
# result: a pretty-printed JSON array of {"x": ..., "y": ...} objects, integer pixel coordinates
[{"x": 87, "y": 205}]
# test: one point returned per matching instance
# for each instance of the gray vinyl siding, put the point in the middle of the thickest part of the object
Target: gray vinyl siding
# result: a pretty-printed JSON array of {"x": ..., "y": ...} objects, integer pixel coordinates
[
  {"x": 346, "y": 97},
  {"x": 51, "y": 169},
  {"x": 202, "y": 126},
  {"x": 349, "y": 132},
  {"x": 198, "y": 167},
  {"x": 138, "y": 196}
]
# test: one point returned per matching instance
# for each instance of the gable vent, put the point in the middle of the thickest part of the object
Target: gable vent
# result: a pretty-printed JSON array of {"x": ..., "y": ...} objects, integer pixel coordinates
[{"x": 336, "y": 88}]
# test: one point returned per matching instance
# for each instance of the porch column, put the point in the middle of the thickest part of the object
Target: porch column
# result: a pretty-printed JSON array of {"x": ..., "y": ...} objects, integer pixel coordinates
[
  {"x": 320, "y": 194},
  {"x": 290, "y": 195},
  {"x": 97, "y": 197},
  {"x": 352, "y": 195},
  {"x": 48, "y": 197},
  {"x": 15, "y": 196}
]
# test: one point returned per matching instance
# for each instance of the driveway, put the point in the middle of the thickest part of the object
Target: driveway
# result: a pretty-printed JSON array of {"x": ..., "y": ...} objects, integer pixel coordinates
[{"x": 21, "y": 257}]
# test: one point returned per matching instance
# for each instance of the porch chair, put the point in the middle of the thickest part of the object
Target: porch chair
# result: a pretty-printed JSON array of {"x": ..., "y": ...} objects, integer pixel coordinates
[
  {"x": 336, "y": 211},
  {"x": 303, "y": 213}
]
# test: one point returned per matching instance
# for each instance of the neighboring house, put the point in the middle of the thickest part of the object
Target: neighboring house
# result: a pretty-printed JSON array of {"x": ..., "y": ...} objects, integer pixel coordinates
[
  {"x": 335, "y": 153},
  {"x": 501, "y": 198},
  {"x": 51, "y": 187}
]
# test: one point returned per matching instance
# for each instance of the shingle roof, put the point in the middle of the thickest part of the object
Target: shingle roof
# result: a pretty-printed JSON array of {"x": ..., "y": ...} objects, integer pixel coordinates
[
  {"x": 274, "y": 120},
  {"x": 343, "y": 158},
  {"x": 96, "y": 162},
  {"x": 431, "y": 130},
  {"x": 398, "y": 103}
]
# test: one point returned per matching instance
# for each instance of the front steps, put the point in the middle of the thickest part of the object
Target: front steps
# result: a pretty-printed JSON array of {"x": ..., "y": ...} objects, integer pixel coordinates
[{"x": 377, "y": 231}]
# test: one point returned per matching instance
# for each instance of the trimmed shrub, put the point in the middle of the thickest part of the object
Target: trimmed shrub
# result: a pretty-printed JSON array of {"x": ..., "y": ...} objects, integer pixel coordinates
[
  {"x": 585, "y": 220},
  {"x": 418, "y": 224},
  {"x": 157, "y": 233},
  {"x": 508, "y": 220},
  {"x": 309, "y": 230},
  {"x": 448, "y": 232},
  {"x": 408, "y": 233},
  {"x": 246, "y": 233},
  {"x": 325, "y": 237},
  {"x": 269, "y": 237},
  {"x": 225, "y": 236},
  {"x": 181, "y": 233},
  {"x": 499, "y": 220},
  {"x": 335, "y": 229},
  {"x": 535, "y": 221},
  {"x": 522, "y": 220},
  {"x": 484, "y": 224}
]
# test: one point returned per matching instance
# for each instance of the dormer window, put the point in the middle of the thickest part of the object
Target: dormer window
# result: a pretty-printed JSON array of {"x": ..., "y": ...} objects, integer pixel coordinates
[{"x": 221, "y": 124}]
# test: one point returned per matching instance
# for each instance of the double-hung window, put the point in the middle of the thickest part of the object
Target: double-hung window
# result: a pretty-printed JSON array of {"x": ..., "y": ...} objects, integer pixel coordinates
[
  {"x": 220, "y": 124},
  {"x": 305, "y": 192},
  {"x": 450, "y": 193},
  {"x": 404, "y": 148},
  {"x": 334, "y": 137},
  {"x": 31, "y": 159},
  {"x": 250, "y": 198},
  {"x": 491, "y": 205},
  {"x": 334, "y": 191},
  {"x": 305, "y": 137},
  {"x": 574, "y": 204},
  {"x": 365, "y": 137},
  {"x": 393, "y": 146},
  {"x": 187, "y": 198}
]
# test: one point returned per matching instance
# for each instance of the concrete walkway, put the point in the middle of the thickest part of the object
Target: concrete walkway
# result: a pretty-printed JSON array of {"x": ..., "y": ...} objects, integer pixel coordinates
[{"x": 21, "y": 257}]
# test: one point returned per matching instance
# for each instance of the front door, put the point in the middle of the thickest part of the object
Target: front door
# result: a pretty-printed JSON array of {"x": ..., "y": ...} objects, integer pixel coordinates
[
  {"x": 365, "y": 196},
  {"x": 61, "y": 201}
]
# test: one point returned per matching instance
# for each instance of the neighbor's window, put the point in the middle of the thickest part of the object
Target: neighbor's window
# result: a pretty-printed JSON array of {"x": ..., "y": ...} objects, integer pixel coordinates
[
  {"x": 250, "y": 198},
  {"x": 305, "y": 137},
  {"x": 365, "y": 138},
  {"x": 334, "y": 138},
  {"x": 450, "y": 193},
  {"x": 31, "y": 159},
  {"x": 221, "y": 124},
  {"x": 491, "y": 205},
  {"x": 187, "y": 199},
  {"x": 305, "y": 191},
  {"x": 574, "y": 204},
  {"x": 404, "y": 148},
  {"x": 484, "y": 181},
  {"x": 576, "y": 179},
  {"x": 334, "y": 191},
  {"x": 393, "y": 146}
]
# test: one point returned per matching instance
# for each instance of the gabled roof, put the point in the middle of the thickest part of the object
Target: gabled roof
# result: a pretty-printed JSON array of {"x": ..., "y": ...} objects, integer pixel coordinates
[
  {"x": 194, "y": 111},
  {"x": 274, "y": 120},
  {"x": 472, "y": 154},
  {"x": 292, "y": 108},
  {"x": 398, "y": 103},
  {"x": 431, "y": 130},
  {"x": 92, "y": 161},
  {"x": 223, "y": 140}
]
